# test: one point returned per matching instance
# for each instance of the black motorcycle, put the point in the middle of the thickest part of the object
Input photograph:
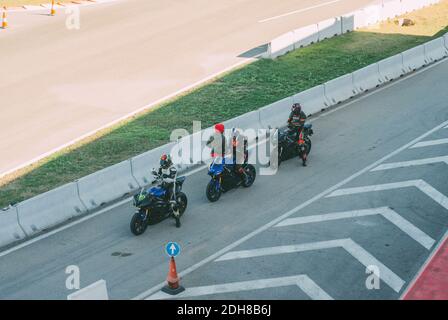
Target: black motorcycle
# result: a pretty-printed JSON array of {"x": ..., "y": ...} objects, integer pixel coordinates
[
  {"x": 154, "y": 205},
  {"x": 288, "y": 145},
  {"x": 224, "y": 177}
]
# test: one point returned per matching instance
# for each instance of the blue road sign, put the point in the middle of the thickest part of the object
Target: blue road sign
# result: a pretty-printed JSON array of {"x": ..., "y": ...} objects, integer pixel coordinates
[{"x": 172, "y": 249}]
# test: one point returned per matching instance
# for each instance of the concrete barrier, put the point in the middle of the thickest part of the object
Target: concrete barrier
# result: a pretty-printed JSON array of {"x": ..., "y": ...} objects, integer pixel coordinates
[
  {"x": 329, "y": 28},
  {"x": 372, "y": 14},
  {"x": 95, "y": 291},
  {"x": 339, "y": 89},
  {"x": 306, "y": 36},
  {"x": 106, "y": 185},
  {"x": 390, "y": 9},
  {"x": 445, "y": 38},
  {"x": 413, "y": 59},
  {"x": 353, "y": 20},
  {"x": 10, "y": 230},
  {"x": 276, "y": 114},
  {"x": 312, "y": 100},
  {"x": 367, "y": 78},
  {"x": 391, "y": 68},
  {"x": 247, "y": 121},
  {"x": 411, "y": 5},
  {"x": 50, "y": 209},
  {"x": 281, "y": 45},
  {"x": 143, "y": 164},
  {"x": 435, "y": 50}
]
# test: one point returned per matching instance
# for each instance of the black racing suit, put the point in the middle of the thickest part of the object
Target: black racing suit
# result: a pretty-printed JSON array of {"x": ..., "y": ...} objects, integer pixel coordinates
[
  {"x": 297, "y": 120},
  {"x": 168, "y": 176}
]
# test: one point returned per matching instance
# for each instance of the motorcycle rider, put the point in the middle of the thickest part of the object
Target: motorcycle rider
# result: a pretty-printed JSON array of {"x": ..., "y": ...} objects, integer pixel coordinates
[
  {"x": 296, "y": 121},
  {"x": 238, "y": 148},
  {"x": 168, "y": 172},
  {"x": 217, "y": 142}
]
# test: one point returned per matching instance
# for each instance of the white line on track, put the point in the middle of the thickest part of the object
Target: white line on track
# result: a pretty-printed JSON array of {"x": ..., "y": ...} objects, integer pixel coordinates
[
  {"x": 411, "y": 163},
  {"x": 358, "y": 252},
  {"x": 302, "y": 281},
  {"x": 422, "y": 185},
  {"x": 299, "y": 11},
  {"x": 290, "y": 212},
  {"x": 393, "y": 217},
  {"x": 430, "y": 143}
]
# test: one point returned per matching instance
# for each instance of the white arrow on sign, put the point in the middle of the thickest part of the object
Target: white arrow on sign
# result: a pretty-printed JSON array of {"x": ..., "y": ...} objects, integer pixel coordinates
[{"x": 172, "y": 248}]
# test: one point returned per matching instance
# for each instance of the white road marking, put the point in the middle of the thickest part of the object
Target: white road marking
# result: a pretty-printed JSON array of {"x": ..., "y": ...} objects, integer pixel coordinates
[
  {"x": 358, "y": 252},
  {"x": 411, "y": 163},
  {"x": 299, "y": 11},
  {"x": 420, "y": 184},
  {"x": 401, "y": 223},
  {"x": 302, "y": 281},
  {"x": 289, "y": 213},
  {"x": 430, "y": 143}
]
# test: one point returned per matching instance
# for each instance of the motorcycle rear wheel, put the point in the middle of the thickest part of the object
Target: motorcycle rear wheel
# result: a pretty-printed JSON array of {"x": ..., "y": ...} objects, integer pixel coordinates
[{"x": 251, "y": 174}]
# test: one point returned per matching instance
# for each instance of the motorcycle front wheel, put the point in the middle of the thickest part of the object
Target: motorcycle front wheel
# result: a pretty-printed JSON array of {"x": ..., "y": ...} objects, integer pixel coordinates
[
  {"x": 138, "y": 225},
  {"x": 213, "y": 194}
]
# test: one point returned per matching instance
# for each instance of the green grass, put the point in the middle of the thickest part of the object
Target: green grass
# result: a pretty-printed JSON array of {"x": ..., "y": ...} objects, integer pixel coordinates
[{"x": 238, "y": 92}]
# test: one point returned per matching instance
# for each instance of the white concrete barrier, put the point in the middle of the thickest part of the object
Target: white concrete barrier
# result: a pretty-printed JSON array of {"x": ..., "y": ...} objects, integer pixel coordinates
[
  {"x": 339, "y": 89},
  {"x": 107, "y": 185},
  {"x": 50, "y": 209},
  {"x": 353, "y": 20},
  {"x": 281, "y": 45},
  {"x": 329, "y": 28},
  {"x": 390, "y": 9},
  {"x": 413, "y": 59},
  {"x": 306, "y": 36},
  {"x": 367, "y": 78},
  {"x": 372, "y": 14},
  {"x": 445, "y": 38},
  {"x": 276, "y": 114},
  {"x": 10, "y": 230},
  {"x": 312, "y": 100},
  {"x": 435, "y": 50},
  {"x": 391, "y": 68},
  {"x": 411, "y": 5},
  {"x": 247, "y": 121},
  {"x": 95, "y": 291},
  {"x": 143, "y": 164}
]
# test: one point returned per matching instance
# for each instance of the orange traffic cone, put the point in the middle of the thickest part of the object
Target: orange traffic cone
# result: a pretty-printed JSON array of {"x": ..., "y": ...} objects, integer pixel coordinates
[
  {"x": 173, "y": 287},
  {"x": 52, "y": 12},
  {"x": 4, "y": 19}
]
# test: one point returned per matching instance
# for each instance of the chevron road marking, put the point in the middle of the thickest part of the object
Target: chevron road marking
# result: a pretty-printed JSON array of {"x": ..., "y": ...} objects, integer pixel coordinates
[
  {"x": 420, "y": 184},
  {"x": 401, "y": 223},
  {"x": 404, "y": 164},
  {"x": 302, "y": 281},
  {"x": 358, "y": 252},
  {"x": 429, "y": 143}
]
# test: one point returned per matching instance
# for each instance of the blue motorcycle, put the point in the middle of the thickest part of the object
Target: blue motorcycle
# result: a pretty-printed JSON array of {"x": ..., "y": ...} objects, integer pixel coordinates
[
  {"x": 155, "y": 204},
  {"x": 224, "y": 177}
]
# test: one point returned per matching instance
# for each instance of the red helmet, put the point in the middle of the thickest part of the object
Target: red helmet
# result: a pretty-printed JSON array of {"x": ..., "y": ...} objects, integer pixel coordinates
[{"x": 219, "y": 127}]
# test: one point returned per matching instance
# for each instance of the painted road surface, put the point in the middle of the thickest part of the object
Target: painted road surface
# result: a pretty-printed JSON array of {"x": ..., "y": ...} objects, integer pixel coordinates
[{"x": 304, "y": 233}]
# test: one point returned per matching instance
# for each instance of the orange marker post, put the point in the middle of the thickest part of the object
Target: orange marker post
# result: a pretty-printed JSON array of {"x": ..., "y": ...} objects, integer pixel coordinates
[
  {"x": 52, "y": 12},
  {"x": 4, "y": 19}
]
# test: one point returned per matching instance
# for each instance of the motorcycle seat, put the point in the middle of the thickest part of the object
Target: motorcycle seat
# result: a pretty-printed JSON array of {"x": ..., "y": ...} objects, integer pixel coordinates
[{"x": 307, "y": 126}]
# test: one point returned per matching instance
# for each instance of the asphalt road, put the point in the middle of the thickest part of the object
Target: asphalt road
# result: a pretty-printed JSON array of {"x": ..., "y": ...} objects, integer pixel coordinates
[
  {"x": 393, "y": 229},
  {"x": 59, "y": 85}
]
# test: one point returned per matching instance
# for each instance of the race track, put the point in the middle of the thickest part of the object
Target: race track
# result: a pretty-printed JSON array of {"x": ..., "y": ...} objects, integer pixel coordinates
[{"x": 370, "y": 202}]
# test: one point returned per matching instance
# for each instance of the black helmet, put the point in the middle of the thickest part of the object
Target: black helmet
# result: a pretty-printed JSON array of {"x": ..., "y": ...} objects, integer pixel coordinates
[
  {"x": 296, "y": 107},
  {"x": 165, "y": 161}
]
